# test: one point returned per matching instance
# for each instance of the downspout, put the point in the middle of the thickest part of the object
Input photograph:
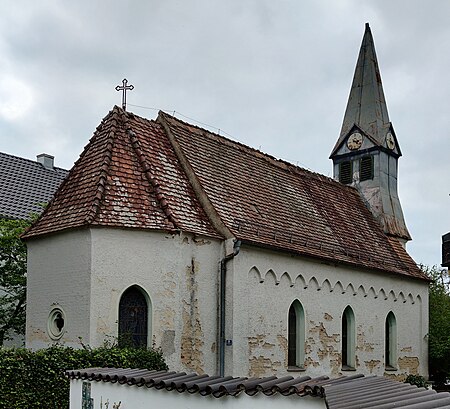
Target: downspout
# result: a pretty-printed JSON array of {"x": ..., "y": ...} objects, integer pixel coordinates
[{"x": 223, "y": 270}]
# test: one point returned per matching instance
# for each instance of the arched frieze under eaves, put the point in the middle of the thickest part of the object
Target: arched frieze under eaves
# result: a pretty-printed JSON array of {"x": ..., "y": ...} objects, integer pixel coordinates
[
  {"x": 371, "y": 293},
  {"x": 350, "y": 289},
  {"x": 361, "y": 291},
  {"x": 313, "y": 284},
  {"x": 401, "y": 297},
  {"x": 326, "y": 286},
  {"x": 300, "y": 282},
  {"x": 271, "y": 277},
  {"x": 286, "y": 280},
  {"x": 255, "y": 275},
  {"x": 339, "y": 288}
]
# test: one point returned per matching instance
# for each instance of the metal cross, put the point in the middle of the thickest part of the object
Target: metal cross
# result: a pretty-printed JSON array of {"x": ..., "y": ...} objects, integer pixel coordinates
[{"x": 124, "y": 88}]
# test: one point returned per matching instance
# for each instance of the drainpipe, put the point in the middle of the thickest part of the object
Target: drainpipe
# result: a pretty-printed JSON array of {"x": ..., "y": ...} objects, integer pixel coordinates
[{"x": 223, "y": 270}]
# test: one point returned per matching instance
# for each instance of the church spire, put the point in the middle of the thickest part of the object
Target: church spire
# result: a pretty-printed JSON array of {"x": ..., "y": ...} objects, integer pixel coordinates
[
  {"x": 367, "y": 149},
  {"x": 366, "y": 107}
]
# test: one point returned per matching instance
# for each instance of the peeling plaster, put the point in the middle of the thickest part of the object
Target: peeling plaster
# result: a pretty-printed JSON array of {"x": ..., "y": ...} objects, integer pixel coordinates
[
  {"x": 168, "y": 286},
  {"x": 261, "y": 365},
  {"x": 192, "y": 336},
  {"x": 168, "y": 342},
  {"x": 361, "y": 340},
  {"x": 166, "y": 312},
  {"x": 328, "y": 349},
  {"x": 283, "y": 344},
  {"x": 372, "y": 364},
  {"x": 255, "y": 342},
  {"x": 409, "y": 364},
  {"x": 200, "y": 242},
  {"x": 395, "y": 377},
  {"x": 310, "y": 362}
]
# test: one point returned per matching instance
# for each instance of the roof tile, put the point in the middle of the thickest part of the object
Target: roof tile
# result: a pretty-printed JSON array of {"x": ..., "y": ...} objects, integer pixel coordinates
[
  {"x": 269, "y": 202},
  {"x": 130, "y": 175},
  {"x": 357, "y": 391},
  {"x": 25, "y": 186}
]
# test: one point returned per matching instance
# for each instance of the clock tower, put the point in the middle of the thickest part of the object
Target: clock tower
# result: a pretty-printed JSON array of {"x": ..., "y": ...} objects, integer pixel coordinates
[{"x": 367, "y": 151}]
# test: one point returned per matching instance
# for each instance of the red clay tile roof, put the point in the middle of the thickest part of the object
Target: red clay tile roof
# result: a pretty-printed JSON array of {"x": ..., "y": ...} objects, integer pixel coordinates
[
  {"x": 131, "y": 175},
  {"x": 270, "y": 202},
  {"x": 127, "y": 176}
]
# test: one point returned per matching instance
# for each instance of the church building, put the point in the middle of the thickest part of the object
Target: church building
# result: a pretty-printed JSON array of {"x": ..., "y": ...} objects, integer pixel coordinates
[{"x": 231, "y": 261}]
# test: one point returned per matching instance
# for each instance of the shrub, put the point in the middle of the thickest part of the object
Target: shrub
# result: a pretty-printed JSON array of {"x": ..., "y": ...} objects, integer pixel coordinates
[
  {"x": 417, "y": 380},
  {"x": 36, "y": 379}
]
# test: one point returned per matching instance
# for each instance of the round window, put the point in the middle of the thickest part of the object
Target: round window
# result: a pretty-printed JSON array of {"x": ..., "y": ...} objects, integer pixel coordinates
[{"x": 56, "y": 323}]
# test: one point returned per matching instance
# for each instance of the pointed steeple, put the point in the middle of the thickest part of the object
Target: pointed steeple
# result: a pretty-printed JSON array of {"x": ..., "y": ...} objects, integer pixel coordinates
[
  {"x": 366, "y": 107},
  {"x": 367, "y": 149}
]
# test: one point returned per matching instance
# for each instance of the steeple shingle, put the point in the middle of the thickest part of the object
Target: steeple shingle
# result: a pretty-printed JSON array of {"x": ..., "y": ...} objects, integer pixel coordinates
[{"x": 366, "y": 107}]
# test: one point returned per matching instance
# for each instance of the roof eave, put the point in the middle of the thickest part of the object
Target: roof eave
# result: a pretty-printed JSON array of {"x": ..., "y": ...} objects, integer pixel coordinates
[{"x": 330, "y": 260}]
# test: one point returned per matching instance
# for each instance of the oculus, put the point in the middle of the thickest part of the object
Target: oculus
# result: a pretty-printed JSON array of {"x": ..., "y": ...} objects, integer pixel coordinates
[{"x": 56, "y": 323}]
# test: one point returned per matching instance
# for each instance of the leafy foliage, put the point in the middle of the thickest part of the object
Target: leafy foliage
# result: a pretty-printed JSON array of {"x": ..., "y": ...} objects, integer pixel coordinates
[
  {"x": 36, "y": 379},
  {"x": 439, "y": 325},
  {"x": 417, "y": 380},
  {"x": 13, "y": 268}
]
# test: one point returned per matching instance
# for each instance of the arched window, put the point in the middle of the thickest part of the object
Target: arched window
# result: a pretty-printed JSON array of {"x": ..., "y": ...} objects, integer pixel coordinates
[
  {"x": 133, "y": 318},
  {"x": 390, "y": 342},
  {"x": 296, "y": 335},
  {"x": 348, "y": 339}
]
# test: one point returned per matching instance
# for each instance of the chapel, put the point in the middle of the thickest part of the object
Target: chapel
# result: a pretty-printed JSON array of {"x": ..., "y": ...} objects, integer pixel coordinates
[{"x": 231, "y": 261}]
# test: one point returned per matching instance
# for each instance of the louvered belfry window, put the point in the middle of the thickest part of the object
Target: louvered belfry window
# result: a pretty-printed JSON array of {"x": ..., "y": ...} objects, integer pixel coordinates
[
  {"x": 345, "y": 172},
  {"x": 366, "y": 168}
]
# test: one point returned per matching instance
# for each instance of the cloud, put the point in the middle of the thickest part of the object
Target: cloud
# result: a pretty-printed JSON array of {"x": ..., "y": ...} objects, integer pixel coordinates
[
  {"x": 16, "y": 98},
  {"x": 273, "y": 75}
]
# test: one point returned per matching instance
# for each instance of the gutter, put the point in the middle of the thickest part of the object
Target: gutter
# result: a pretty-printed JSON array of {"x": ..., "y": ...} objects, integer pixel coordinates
[{"x": 223, "y": 270}]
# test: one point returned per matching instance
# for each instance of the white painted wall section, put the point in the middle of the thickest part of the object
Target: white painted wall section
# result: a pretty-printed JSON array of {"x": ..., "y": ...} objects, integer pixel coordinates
[
  {"x": 133, "y": 397},
  {"x": 58, "y": 274}
]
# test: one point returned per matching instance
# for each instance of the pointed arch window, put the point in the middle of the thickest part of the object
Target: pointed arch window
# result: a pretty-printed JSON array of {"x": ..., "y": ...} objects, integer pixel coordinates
[
  {"x": 296, "y": 335},
  {"x": 348, "y": 339},
  {"x": 390, "y": 341},
  {"x": 134, "y": 322}
]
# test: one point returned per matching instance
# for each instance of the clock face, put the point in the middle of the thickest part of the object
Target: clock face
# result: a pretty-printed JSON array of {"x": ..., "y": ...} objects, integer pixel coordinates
[
  {"x": 354, "y": 141},
  {"x": 390, "y": 141}
]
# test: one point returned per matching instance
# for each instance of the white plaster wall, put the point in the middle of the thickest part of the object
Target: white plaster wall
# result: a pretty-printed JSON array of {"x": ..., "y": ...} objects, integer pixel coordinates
[
  {"x": 133, "y": 397},
  {"x": 58, "y": 274},
  {"x": 265, "y": 284},
  {"x": 178, "y": 272},
  {"x": 85, "y": 272}
]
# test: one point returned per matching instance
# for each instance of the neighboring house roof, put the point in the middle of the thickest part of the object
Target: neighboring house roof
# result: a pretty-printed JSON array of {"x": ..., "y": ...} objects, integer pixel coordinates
[
  {"x": 356, "y": 391},
  {"x": 25, "y": 185},
  {"x": 170, "y": 175}
]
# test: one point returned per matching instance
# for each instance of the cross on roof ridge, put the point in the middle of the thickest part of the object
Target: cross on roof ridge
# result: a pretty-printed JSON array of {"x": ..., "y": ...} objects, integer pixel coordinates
[{"x": 124, "y": 88}]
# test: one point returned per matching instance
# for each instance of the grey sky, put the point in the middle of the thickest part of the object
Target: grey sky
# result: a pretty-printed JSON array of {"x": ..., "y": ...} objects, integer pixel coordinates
[{"x": 273, "y": 74}]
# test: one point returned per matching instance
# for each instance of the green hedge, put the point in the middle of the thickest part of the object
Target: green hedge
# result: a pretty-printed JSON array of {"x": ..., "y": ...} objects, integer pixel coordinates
[{"x": 36, "y": 379}]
